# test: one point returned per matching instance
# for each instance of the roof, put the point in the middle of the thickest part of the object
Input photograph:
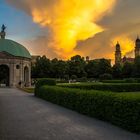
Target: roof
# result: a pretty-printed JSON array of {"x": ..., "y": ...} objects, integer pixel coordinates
[
  {"x": 127, "y": 59},
  {"x": 14, "y": 48}
]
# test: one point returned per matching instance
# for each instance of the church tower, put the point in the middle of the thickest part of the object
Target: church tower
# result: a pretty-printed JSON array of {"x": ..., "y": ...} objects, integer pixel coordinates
[
  {"x": 137, "y": 48},
  {"x": 118, "y": 55}
]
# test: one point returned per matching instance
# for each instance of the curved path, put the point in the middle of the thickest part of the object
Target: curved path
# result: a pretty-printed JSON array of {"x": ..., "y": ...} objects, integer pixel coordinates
[{"x": 25, "y": 117}]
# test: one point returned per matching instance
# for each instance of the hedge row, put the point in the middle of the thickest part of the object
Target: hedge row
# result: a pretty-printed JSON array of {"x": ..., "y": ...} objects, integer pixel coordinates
[
  {"x": 130, "y": 80},
  {"x": 120, "y": 109},
  {"x": 115, "y": 87},
  {"x": 44, "y": 81}
]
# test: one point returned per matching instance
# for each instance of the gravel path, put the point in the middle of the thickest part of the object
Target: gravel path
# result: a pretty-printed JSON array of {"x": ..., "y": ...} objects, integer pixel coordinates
[{"x": 25, "y": 117}]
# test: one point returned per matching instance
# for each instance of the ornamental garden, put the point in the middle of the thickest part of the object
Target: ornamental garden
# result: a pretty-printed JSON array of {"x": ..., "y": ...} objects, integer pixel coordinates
[{"x": 93, "y": 88}]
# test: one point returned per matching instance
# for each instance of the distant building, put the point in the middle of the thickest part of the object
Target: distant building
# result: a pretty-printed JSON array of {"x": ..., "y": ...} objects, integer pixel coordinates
[{"x": 118, "y": 54}]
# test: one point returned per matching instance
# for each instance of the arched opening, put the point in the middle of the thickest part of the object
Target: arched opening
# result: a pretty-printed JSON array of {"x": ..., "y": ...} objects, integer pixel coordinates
[
  {"x": 4, "y": 75},
  {"x": 26, "y": 76}
]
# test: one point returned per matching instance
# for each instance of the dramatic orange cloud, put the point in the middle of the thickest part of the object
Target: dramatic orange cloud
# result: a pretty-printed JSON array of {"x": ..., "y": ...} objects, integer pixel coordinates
[
  {"x": 85, "y": 27},
  {"x": 70, "y": 21}
]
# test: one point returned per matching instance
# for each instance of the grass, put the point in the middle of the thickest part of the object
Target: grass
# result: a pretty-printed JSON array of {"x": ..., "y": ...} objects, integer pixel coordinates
[{"x": 28, "y": 90}]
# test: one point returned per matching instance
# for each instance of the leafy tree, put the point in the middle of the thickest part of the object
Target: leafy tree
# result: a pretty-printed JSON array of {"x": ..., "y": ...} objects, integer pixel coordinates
[
  {"x": 77, "y": 66},
  {"x": 104, "y": 66},
  {"x": 59, "y": 68},
  {"x": 92, "y": 69},
  {"x": 117, "y": 71},
  {"x": 42, "y": 68},
  {"x": 136, "y": 70},
  {"x": 127, "y": 70}
]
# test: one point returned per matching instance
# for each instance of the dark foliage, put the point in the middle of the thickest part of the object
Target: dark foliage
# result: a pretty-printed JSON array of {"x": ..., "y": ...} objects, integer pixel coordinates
[
  {"x": 77, "y": 66},
  {"x": 42, "y": 82},
  {"x": 119, "y": 87}
]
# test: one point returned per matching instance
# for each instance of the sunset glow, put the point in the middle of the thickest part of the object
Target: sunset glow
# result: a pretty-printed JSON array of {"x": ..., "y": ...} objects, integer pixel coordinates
[
  {"x": 63, "y": 28},
  {"x": 71, "y": 21}
]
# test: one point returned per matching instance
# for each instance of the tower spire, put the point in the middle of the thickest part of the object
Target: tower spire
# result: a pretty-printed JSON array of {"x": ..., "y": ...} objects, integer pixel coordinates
[
  {"x": 118, "y": 55},
  {"x": 3, "y": 33}
]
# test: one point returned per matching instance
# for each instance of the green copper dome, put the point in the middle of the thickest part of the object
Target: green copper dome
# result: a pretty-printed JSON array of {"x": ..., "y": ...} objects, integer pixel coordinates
[{"x": 14, "y": 48}]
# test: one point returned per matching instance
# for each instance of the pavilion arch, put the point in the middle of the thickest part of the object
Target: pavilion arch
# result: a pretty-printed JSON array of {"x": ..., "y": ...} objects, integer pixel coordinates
[{"x": 4, "y": 75}]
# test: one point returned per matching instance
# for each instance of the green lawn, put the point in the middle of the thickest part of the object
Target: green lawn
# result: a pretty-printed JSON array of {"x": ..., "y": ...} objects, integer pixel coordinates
[{"x": 29, "y": 90}]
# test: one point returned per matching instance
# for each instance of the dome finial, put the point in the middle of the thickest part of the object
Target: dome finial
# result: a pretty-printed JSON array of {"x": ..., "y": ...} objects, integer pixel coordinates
[{"x": 2, "y": 33}]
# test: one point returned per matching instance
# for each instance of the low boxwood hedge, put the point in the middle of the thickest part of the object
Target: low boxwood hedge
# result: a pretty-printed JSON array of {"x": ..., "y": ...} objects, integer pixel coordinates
[
  {"x": 129, "y": 80},
  {"x": 44, "y": 81},
  {"x": 120, "y": 109},
  {"x": 115, "y": 87}
]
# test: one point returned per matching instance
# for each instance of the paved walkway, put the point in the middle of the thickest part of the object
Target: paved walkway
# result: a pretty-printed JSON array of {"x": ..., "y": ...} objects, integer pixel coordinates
[{"x": 25, "y": 117}]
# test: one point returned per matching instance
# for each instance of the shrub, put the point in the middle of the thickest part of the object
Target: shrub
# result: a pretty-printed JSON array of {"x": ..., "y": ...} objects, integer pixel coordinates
[
  {"x": 42, "y": 82},
  {"x": 74, "y": 77},
  {"x": 130, "y": 80},
  {"x": 113, "y": 81},
  {"x": 105, "y": 76},
  {"x": 120, "y": 109},
  {"x": 115, "y": 87},
  {"x": 83, "y": 79}
]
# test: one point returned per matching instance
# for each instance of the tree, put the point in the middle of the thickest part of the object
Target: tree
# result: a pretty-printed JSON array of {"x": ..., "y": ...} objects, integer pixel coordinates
[
  {"x": 91, "y": 69},
  {"x": 77, "y": 66},
  {"x": 42, "y": 68},
  {"x": 127, "y": 70},
  {"x": 117, "y": 71},
  {"x": 59, "y": 68},
  {"x": 136, "y": 70},
  {"x": 104, "y": 66}
]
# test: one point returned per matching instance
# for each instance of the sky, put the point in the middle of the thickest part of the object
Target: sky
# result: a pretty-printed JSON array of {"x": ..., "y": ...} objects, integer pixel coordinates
[{"x": 63, "y": 28}]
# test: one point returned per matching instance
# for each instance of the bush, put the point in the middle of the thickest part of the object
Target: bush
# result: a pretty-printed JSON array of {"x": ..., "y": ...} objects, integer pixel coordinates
[
  {"x": 113, "y": 81},
  {"x": 74, "y": 77},
  {"x": 105, "y": 76},
  {"x": 129, "y": 80},
  {"x": 43, "y": 82},
  {"x": 83, "y": 79},
  {"x": 115, "y": 87},
  {"x": 120, "y": 109}
]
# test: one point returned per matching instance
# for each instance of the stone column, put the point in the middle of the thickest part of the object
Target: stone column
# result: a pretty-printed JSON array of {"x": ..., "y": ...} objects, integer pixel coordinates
[
  {"x": 21, "y": 73},
  {"x": 11, "y": 74}
]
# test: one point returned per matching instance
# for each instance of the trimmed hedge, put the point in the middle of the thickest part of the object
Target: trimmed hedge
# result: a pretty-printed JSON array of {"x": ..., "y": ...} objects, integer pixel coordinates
[
  {"x": 44, "y": 81},
  {"x": 115, "y": 87},
  {"x": 130, "y": 80},
  {"x": 120, "y": 109}
]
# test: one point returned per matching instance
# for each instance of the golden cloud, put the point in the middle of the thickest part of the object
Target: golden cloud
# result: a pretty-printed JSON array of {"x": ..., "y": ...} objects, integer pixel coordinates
[{"x": 70, "y": 21}]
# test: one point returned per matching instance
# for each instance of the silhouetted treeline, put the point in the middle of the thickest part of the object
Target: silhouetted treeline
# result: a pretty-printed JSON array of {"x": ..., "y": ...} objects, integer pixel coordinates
[{"x": 78, "y": 67}]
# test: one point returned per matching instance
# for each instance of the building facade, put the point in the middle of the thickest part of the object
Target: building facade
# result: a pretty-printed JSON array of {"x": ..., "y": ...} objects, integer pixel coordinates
[
  {"x": 118, "y": 54},
  {"x": 15, "y": 63}
]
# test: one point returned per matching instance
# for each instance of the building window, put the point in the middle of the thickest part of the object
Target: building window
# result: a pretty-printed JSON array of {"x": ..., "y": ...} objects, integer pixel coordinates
[{"x": 17, "y": 67}]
